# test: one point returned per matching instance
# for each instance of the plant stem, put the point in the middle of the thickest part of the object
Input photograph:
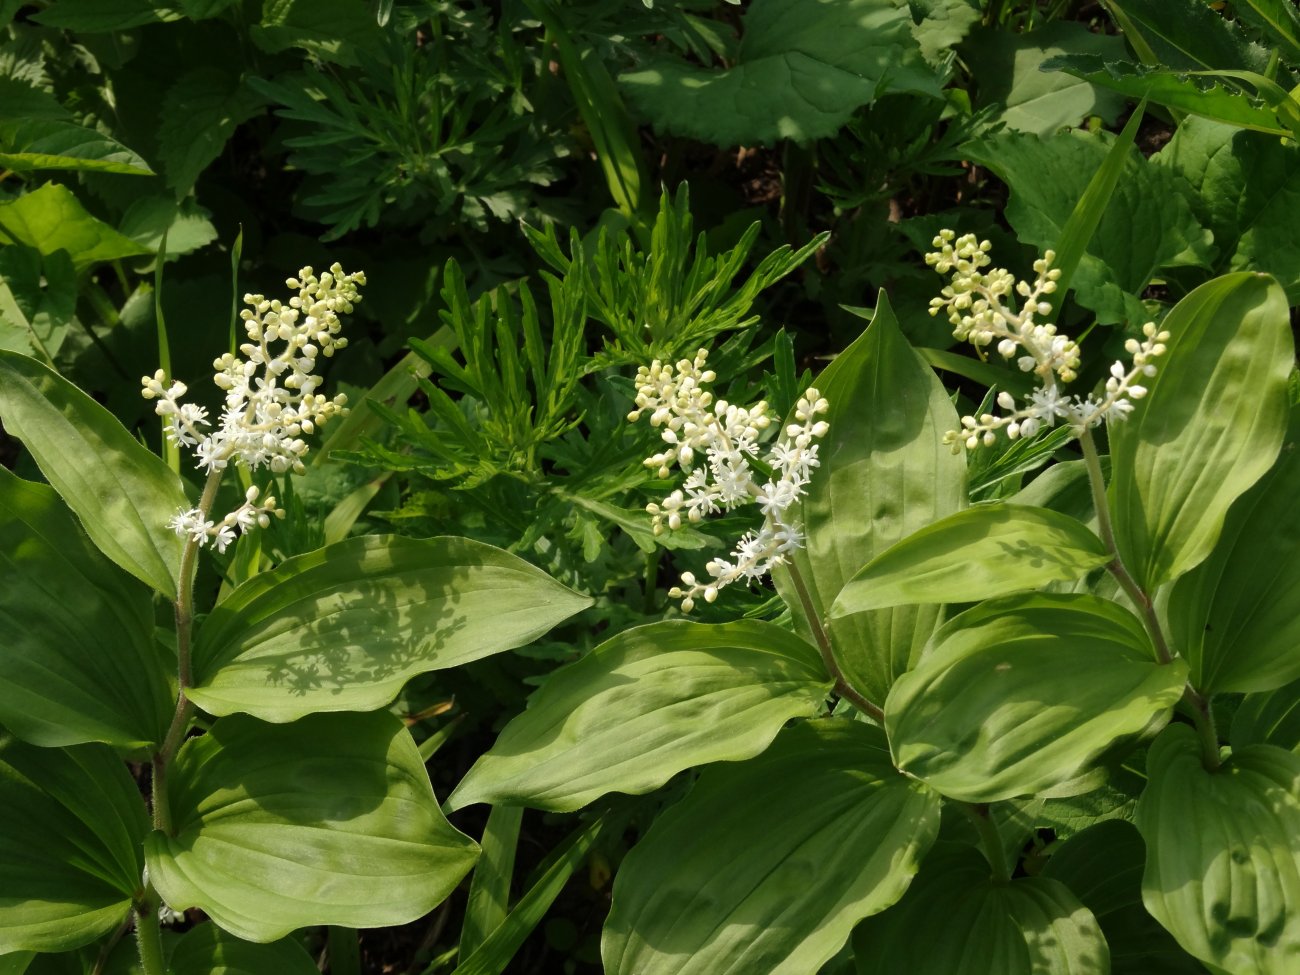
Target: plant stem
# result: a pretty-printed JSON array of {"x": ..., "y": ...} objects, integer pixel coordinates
[
  {"x": 148, "y": 935},
  {"x": 990, "y": 839},
  {"x": 842, "y": 687},
  {"x": 1116, "y": 565},
  {"x": 1203, "y": 719},
  {"x": 184, "y": 627}
]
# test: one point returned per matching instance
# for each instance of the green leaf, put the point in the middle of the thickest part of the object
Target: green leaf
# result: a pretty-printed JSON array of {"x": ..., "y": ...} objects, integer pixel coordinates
[
  {"x": 1008, "y": 69},
  {"x": 186, "y": 225},
  {"x": 489, "y": 890},
  {"x": 1210, "y": 426},
  {"x": 333, "y": 30},
  {"x": 208, "y": 950},
  {"x": 16, "y": 963},
  {"x": 51, "y": 219},
  {"x": 1223, "y": 853},
  {"x": 71, "y": 826},
  {"x": 98, "y": 16},
  {"x": 766, "y": 865},
  {"x": 28, "y": 144},
  {"x": 1102, "y": 866},
  {"x": 330, "y": 820},
  {"x": 1148, "y": 225},
  {"x": 122, "y": 494},
  {"x": 878, "y": 483},
  {"x": 956, "y": 920},
  {"x": 1279, "y": 19},
  {"x": 1190, "y": 34},
  {"x": 1244, "y": 187},
  {"x": 645, "y": 705},
  {"x": 38, "y": 293},
  {"x": 344, "y": 627},
  {"x": 79, "y": 662},
  {"x": 1271, "y": 718},
  {"x": 802, "y": 69},
  {"x": 1235, "y": 618},
  {"x": 199, "y": 114},
  {"x": 986, "y": 551},
  {"x": 1019, "y": 696}
]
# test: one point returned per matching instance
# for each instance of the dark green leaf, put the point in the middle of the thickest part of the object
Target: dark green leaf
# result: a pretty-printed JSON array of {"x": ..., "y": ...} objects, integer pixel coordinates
[
  {"x": 199, "y": 114},
  {"x": 1191, "y": 34},
  {"x": 208, "y": 950},
  {"x": 31, "y": 144},
  {"x": 96, "y": 16},
  {"x": 1271, "y": 718}
]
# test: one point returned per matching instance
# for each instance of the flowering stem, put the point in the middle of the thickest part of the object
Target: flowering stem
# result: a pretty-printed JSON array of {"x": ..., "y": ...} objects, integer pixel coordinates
[
  {"x": 990, "y": 839},
  {"x": 148, "y": 935},
  {"x": 1116, "y": 565},
  {"x": 1203, "y": 719},
  {"x": 842, "y": 687},
  {"x": 184, "y": 626}
]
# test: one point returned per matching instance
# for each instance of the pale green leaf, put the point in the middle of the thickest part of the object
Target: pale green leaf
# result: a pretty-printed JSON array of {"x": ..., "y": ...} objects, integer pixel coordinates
[
  {"x": 71, "y": 825},
  {"x": 768, "y": 864},
  {"x": 489, "y": 890},
  {"x": 28, "y": 144},
  {"x": 1019, "y": 696},
  {"x": 1210, "y": 426},
  {"x": 330, "y": 820},
  {"x": 208, "y": 950},
  {"x": 52, "y": 219},
  {"x": 645, "y": 705},
  {"x": 986, "y": 551},
  {"x": 1223, "y": 853},
  {"x": 123, "y": 495},
  {"x": 344, "y": 627}
]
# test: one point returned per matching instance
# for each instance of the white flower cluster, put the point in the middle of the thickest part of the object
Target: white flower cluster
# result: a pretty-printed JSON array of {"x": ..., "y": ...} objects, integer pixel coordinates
[
  {"x": 193, "y": 524},
  {"x": 975, "y": 305},
  {"x": 271, "y": 398},
  {"x": 727, "y": 436}
]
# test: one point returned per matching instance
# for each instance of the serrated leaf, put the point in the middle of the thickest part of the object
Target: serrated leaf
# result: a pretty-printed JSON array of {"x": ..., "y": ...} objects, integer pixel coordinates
[
  {"x": 1191, "y": 34},
  {"x": 199, "y": 114},
  {"x": 1223, "y": 853},
  {"x": 1209, "y": 427},
  {"x": 34, "y": 144},
  {"x": 207, "y": 950},
  {"x": 333, "y": 30},
  {"x": 877, "y": 483},
  {"x": 1019, "y": 696},
  {"x": 766, "y": 865},
  {"x": 344, "y": 627},
  {"x": 985, "y": 551},
  {"x": 803, "y": 67},
  {"x": 71, "y": 826},
  {"x": 122, "y": 494},
  {"x": 645, "y": 705},
  {"x": 78, "y": 663},
  {"x": 329, "y": 820},
  {"x": 956, "y": 920},
  {"x": 51, "y": 219},
  {"x": 1279, "y": 19}
]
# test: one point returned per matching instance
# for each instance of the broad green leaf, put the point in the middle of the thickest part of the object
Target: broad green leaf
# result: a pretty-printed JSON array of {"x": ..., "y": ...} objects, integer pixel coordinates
[
  {"x": 989, "y": 550},
  {"x": 16, "y": 963},
  {"x": 344, "y": 627},
  {"x": 330, "y": 820},
  {"x": 767, "y": 865},
  {"x": 802, "y": 69},
  {"x": 208, "y": 950},
  {"x": 645, "y": 705},
  {"x": 1210, "y": 426},
  {"x": 29, "y": 144},
  {"x": 1223, "y": 853},
  {"x": 38, "y": 293},
  {"x": 1148, "y": 225},
  {"x": 1008, "y": 69},
  {"x": 1018, "y": 696},
  {"x": 96, "y": 16},
  {"x": 52, "y": 219},
  {"x": 1244, "y": 187},
  {"x": 1279, "y": 19},
  {"x": 942, "y": 26},
  {"x": 1190, "y": 34},
  {"x": 1102, "y": 866},
  {"x": 122, "y": 494},
  {"x": 1235, "y": 618},
  {"x": 878, "y": 483},
  {"x": 71, "y": 825},
  {"x": 956, "y": 920},
  {"x": 187, "y": 225},
  {"x": 78, "y": 662},
  {"x": 1269, "y": 718},
  {"x": 199, "y": 113}
]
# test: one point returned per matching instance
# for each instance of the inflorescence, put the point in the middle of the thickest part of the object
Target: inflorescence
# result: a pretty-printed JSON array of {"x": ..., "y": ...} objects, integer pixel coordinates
[
  {"x": 271, "y": 398},
  {"x": 976, "y": 306},
  {"x": 727, "y": 436}
]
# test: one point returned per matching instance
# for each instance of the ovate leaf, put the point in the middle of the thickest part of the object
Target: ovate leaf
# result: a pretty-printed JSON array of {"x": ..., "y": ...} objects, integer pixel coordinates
[
  {"x": 645, "y": 705},
  {"x": 208, "y": 950},
  {"x": 802, "y": 68},
  {"x": 1223, "y": 853},
  {"x": 78, "y": 661},
  {"x": 878, "y": 483},
  {"x": 344, "y": 627},
  {"x": 52, "y": 219},
  {"x": 330, "y": 820},
  {"x": 986, "y": 551},
  {"x": 1018, "y": 696},
  {"x": 199, "y": 113},
  {"x": 1211, "y": 425},
  {"x": 123, "y": 495},
  {"x": 767, "y": 864},
  {"x": 28, "y": 144},
  {"x": 71, "y": 825}
]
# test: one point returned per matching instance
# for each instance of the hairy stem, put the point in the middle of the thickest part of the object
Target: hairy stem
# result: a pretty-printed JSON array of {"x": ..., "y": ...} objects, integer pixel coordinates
[
  {"x": 148, "y": 936},
  {"x": 1203, "y": 719},
  {"x": 842, "y": 687},
  {"x": 990, "y": 839}
]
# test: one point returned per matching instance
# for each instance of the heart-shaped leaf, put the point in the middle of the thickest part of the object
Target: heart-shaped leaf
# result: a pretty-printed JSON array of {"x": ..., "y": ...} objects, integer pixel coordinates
[{"x": 645, "y": 705}]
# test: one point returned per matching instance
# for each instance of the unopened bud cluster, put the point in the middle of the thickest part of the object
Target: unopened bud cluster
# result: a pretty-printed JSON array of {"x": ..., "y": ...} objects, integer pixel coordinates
[
  {"x": 271, "y": 400},
  {"x": 194, "y": 525},
  {"x": 976, "y": 302},
  {"x": 714, "y": 442}
]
